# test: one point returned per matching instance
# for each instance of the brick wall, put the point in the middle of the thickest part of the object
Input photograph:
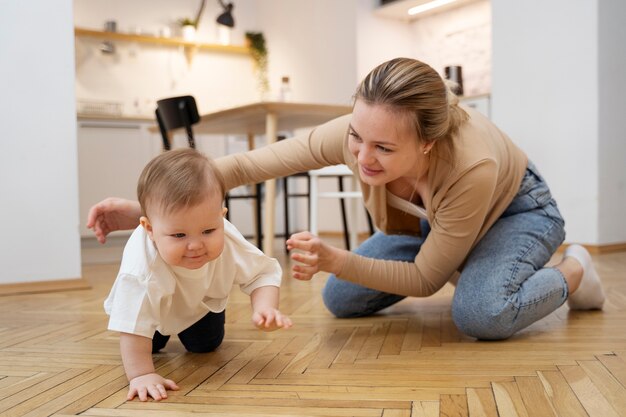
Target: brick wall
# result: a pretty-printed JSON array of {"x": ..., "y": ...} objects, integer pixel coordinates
[{"x": 459, "y": 36}]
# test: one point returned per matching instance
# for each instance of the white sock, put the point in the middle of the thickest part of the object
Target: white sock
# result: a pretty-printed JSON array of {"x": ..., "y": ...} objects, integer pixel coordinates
[{"x": 589, "y": 295}]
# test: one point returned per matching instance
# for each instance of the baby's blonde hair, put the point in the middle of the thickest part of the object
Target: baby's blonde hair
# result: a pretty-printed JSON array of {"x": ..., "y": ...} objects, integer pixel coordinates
[{"x": 177, "y": 179}]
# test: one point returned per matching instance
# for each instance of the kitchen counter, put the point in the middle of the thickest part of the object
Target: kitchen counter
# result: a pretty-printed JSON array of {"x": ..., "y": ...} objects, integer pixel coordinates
[{"x": 113, "y": 118}]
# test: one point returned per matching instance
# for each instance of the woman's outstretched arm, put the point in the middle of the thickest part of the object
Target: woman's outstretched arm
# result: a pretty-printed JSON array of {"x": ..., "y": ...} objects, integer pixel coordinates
[{"x": 113, "y": 214}]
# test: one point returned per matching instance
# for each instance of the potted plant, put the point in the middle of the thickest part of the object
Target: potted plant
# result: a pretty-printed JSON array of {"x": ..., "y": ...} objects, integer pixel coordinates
[
  {"x": 188, "y": 29},
  {"x": 258, "y": 50},
  {"x": 190, "y": 26}
]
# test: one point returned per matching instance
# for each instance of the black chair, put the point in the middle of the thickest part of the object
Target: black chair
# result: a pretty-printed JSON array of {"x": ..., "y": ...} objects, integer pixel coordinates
[
  {"x": 182, "y": 112},
  {"x": 174, "y": 113}
]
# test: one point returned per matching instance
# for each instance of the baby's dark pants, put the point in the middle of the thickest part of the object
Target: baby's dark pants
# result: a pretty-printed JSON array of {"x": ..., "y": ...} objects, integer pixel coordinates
[{"x": 203, "y": 336}]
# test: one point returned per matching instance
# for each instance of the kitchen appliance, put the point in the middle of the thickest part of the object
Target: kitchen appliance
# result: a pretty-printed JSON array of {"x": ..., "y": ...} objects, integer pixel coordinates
[
  {"x": 107, "y": 47},
  {"x": 454, "y": 73}
]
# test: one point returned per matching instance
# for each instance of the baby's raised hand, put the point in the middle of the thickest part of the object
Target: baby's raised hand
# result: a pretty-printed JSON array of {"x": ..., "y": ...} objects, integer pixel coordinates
[
  {"x": 270, "y": 319},
  {"x": 153, "y": 385}
]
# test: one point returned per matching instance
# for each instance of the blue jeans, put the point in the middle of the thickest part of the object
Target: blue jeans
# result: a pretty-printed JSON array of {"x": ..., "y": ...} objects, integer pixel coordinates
[{"x": 503, "y": 287}]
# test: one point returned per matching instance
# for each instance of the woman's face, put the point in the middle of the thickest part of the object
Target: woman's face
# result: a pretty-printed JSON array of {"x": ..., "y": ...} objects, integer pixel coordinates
[{"x": 385, "y": 145}]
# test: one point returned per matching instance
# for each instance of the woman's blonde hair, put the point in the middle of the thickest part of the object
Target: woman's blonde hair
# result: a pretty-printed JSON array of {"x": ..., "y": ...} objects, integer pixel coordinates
[
  {"x": 177, "y": 179},
  {"x": 417, "y": 90}
]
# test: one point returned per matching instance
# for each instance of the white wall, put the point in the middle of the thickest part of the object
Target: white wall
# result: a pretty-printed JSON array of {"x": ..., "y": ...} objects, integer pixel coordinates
[
  {"x": 312, "y": 42},
  {"x": 548, "y": 70},
  {"x": 612, "y": 123},
  {"x": 379, "y": 39},
  {"x": 38, "y": 163}
]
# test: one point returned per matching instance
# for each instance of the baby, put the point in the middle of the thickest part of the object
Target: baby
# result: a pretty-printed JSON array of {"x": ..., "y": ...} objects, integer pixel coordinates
[{"x": 178, "y": 268}]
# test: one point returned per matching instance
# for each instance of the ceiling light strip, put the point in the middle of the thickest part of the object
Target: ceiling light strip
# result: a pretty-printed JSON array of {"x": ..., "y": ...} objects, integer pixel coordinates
[{"x": 428, "y": 6}]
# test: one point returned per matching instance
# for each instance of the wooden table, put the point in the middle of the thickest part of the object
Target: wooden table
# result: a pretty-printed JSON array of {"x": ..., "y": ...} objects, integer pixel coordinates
[{"x": 268, "y": 118}]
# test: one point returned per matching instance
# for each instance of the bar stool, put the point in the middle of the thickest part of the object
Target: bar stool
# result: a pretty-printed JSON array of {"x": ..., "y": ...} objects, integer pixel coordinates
[
  {"x": 339, "y": 171},
  {"x": 287, "y": 195}
]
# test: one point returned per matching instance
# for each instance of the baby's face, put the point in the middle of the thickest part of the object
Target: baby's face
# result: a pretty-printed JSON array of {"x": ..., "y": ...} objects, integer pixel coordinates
[{"x": 189, "y": 237}]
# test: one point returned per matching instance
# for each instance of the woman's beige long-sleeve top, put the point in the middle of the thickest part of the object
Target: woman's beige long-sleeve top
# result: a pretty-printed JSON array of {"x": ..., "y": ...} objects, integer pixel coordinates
[{"x": 468, "y": 193}]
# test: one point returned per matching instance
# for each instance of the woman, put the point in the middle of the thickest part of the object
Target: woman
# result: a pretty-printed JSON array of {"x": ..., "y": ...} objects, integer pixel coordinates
[{"x": 453, "y": 198}]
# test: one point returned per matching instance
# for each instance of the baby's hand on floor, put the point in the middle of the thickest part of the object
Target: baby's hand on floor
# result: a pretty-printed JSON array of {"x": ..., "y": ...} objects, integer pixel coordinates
[
  {"x": 270, "y": 319},
  {"x": 153, "y": 385}
]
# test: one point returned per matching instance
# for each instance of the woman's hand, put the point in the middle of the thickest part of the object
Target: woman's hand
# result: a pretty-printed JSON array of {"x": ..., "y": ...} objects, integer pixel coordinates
[
  {"x": 113, "y": 214},
  {"x": 270, "y": 319},
  {"x": 313, "y": 255},
  {"x": 153, "y": 385}
]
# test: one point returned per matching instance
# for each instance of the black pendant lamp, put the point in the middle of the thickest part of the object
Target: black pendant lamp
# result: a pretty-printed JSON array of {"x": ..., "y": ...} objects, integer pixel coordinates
[{"x": 226, "y": 18}]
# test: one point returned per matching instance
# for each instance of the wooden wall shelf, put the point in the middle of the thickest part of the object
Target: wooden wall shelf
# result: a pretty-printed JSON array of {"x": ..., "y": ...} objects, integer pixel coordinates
[{"x": 125, "y": 37}]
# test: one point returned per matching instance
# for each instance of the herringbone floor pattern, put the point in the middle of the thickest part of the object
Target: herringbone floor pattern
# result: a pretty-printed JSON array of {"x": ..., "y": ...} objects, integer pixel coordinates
[{"x": 57, "y": 358}]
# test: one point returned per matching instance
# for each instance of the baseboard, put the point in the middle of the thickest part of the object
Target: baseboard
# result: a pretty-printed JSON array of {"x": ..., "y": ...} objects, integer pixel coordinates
[
  {"x": 44, "y": 286},
  {"x": 602, "y": 249}
]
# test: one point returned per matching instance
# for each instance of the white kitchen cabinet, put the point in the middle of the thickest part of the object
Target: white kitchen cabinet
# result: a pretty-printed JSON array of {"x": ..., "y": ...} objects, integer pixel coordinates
[{"x": 111, "y": 156}]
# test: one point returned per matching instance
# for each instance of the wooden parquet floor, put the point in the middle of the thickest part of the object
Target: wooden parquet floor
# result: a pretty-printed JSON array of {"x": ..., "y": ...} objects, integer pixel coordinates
[{"x": 57, "y": 358}]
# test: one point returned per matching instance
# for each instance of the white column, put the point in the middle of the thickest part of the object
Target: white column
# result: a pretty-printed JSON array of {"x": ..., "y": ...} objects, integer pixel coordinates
[{"x": 39, "y": 215}]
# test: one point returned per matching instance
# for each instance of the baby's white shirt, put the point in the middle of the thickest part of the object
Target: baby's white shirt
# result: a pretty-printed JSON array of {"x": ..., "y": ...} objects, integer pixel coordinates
[{"x": 150, "y": 295}]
